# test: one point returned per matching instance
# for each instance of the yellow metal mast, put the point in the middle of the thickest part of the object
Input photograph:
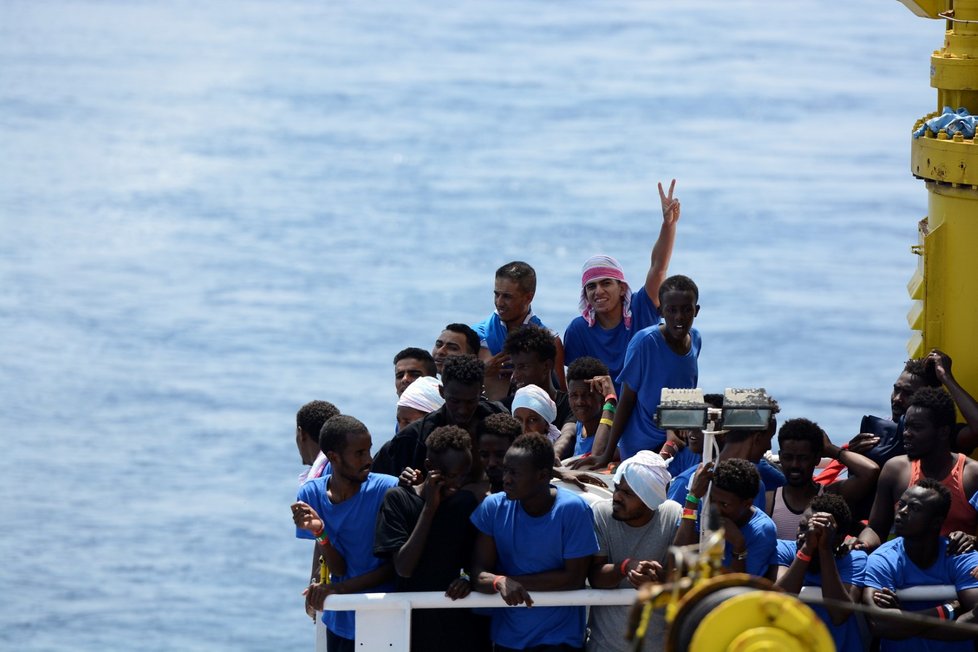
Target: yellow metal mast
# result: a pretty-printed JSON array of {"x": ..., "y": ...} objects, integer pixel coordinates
[{"x": 944, "y": 288}]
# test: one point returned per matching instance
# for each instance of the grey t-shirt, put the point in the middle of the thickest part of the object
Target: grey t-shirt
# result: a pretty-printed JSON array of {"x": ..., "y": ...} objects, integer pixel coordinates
[{"x": 618, "y": 541}]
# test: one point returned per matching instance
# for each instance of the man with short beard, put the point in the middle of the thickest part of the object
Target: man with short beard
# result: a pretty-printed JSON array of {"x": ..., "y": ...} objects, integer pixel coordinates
[
  {"x": 927, "y": 431},
  {"x": 802, "y": 443},
  {"x": 635, "y": 529},
  {"x": 339, "y": 511}
]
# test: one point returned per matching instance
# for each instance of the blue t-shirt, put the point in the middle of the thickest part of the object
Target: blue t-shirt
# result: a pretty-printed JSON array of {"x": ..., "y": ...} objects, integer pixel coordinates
[
  {"x": 889, "y": 567},
  {"x": 534, "y": 544},
  {"x": 582, "y": 444},
  {"x": 771, "y": 476},
  {"x": 609, "y": 346},
  {"x": 851, "y": 569},
  {"x": 649, "y": 366},
  {"x": 492, "y": 331},
  {"x": 679, "y": 487},
  {"x": 683, "y": 460},
  {"x": 350, "y": 527},
  {"x": 760, "y": 539}
]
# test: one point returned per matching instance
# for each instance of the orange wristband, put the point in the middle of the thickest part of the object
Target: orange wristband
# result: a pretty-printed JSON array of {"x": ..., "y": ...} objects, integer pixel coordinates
[{"x": 495, "y": 582}]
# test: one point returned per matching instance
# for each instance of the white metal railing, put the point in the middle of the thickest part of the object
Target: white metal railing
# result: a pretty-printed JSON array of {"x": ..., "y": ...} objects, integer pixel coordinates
[
  {"x": 384, "y": 619},
  {"x": 944, "y": 592}
]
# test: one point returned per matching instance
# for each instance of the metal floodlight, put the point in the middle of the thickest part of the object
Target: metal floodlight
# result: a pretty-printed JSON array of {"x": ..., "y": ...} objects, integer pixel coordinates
[
  {"x": 681, "y": 409},
  {"x": 746, "y": 409}
]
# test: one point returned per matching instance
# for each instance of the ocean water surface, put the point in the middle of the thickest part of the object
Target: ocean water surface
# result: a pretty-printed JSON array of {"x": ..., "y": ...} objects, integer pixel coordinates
[{"x": 212, "y": 213}]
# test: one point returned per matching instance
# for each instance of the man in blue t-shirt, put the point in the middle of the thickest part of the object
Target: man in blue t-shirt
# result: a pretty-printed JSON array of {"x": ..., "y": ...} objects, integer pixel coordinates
[
  {"x": 533, "y": 537},
  {"x": 611, "y": 314},
  {"x": 515, "y": 285},
  {"x": 339, "y": 511},
  {"x": 659, "y": 356},
  {"x": 749, "y": 532},
  {"x": 742, "y": 444},
  {"x": 816, "y": 558},
  {"x": 918, "y": 556}
]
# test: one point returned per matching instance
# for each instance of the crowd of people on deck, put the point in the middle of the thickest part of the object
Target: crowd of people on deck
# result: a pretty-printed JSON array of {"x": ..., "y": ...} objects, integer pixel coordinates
[{"x": 524, "y": 462}]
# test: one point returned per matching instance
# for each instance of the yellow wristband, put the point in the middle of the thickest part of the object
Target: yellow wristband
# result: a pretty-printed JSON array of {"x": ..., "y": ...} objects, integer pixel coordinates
[{"x": 607, "y": 422}]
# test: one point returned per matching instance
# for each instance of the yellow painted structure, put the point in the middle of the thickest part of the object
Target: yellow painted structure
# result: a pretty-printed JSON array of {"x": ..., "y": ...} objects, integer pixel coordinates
[{"x": 944, "y": 288}]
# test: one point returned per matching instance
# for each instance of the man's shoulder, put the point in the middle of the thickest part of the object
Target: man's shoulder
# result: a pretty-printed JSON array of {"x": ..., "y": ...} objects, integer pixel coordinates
[
  {"x": 762, "y": 522},
  {"x": 568, "y": 501},
  {"x": 379, "y": 482}
]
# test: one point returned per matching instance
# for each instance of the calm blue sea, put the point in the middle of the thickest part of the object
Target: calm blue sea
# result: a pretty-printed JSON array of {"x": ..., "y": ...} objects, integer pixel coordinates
[{"x": 213, "y": 212}]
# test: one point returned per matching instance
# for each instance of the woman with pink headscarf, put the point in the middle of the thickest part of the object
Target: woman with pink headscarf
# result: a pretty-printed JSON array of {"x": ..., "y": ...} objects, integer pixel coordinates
[{"x": 610, "y": 312}]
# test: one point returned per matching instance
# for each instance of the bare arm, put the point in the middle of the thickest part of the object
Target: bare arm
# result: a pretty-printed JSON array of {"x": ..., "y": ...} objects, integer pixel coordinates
[
  {"x": 881, "y": 515},
  {"x": 662, "y": 249},
  {"x": 559, "y": 364},
  {"x": 967, "y": 438},
  {"x": 406, "y": 559},
  {"x": 564, "y": 446},
  {"x": 863, "y": 473},
  {"x": 884, "y": 602},
  {"x": 306, "y": 518},
  {"x": 626, "y": 404},
  {"x": 568, "y": 578},
  {"x": 687, "y": 534}
]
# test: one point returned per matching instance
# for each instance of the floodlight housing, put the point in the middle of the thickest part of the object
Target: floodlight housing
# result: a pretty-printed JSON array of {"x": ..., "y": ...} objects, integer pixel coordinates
[
  {"x": 746, "y": 409},
  {"x": 681, "y": 409}
]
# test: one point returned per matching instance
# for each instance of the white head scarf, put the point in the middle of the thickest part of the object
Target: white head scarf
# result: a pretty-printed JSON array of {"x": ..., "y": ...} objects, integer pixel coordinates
[
  {"x": 422, "y": 395},
  {"x": 534, "y": 398},
  {"x": 648, "y": 476}
]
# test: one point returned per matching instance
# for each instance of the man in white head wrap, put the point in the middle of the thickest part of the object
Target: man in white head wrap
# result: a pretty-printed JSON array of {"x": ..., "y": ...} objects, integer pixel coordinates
[
  {"x": 420, "y": 398},
  {"x": 536, "y": 410},
  {"x": 635, "y": 529}
]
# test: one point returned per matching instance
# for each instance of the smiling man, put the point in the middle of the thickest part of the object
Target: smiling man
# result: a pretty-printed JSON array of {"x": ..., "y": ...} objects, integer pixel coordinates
[
  {"x": 660, "y": 356},
  {"x": 927, "y": 434},
  {"x": 515, "y": 286}
]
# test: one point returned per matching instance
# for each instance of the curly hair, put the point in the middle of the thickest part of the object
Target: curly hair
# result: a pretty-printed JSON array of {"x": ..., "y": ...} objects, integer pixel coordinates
[
  {"x": 944, "y": 495},
  {"x": 531, "y": 339},
  {"x": 679, "y": 283},
  {"x": 737, "y": 476},
  {"x": 447, "y": 438},
  {"x": 520, "y": 273},
  {"x": 465, "y": 369},
  {"x": 540, "y": 449},
  {"x": 422, "y": 356},
  {"x": 500, "y": 425},
  {"x": 939, "y": 403},
  {"x": 337, "y": 430},
  {"x": 586, "y": 368},
  {"x": 835, "y": 505},
  {"x": 471, "y": 337},
  {"x": 803, "y": 430},
  {"x": 311, "y": 417}
]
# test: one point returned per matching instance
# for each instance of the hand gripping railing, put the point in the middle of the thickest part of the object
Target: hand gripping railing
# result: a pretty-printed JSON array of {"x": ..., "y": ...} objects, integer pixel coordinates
[{"x": 384, "y": 619}]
